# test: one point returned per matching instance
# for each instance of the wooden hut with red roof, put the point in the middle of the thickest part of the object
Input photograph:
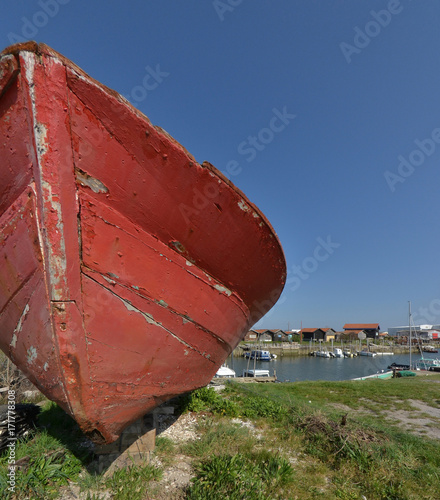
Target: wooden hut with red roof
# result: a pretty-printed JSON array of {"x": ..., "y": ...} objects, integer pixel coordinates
[{"x": 371, "y": 329}]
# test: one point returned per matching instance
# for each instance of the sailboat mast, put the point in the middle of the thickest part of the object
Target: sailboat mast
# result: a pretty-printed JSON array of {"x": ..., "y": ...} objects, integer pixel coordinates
[{"x": 410, "y": 340}]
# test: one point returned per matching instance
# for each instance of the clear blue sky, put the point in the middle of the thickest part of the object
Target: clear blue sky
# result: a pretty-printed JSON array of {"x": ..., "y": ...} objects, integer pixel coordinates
[{"x": 349, "y": 176}]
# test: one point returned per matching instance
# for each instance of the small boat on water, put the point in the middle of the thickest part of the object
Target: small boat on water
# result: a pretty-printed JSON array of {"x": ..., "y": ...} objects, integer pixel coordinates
[
  {"x": 128, "y": 271},
  {"x": 256, "y": 373},
  {"x": 259, "y": 355},
  {"x": 421, "y": 364},
  {"x": 382, "y": 375},
  {"x": 398, "y": 366},
  {"x": 225, "y": 372},
  {"x": 348, "y": 354},
  {"x": 323, "y": 354},
  {"x": 366, "y": 353},
  {"x": 427, "y": 364},
  {"x": 430, "y": 348},
  {"x": 337, "y": 352}
]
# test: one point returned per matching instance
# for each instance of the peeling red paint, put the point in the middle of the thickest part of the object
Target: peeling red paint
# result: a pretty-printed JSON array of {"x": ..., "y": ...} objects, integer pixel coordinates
[
  {"x": 128, "y": 271},
  {"x": 8, "y": 71}
]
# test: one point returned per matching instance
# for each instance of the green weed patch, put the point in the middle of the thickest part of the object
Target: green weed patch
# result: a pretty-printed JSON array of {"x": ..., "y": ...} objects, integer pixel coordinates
[{"x": 260, "y": 476}]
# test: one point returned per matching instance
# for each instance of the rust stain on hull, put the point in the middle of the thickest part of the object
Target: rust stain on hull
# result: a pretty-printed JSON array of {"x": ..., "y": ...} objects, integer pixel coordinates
[{"x": 121, "y": 283}]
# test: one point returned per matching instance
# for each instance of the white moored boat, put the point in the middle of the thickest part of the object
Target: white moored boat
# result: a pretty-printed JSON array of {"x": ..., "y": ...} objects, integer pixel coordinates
[
  {"x": 367, "y": 353},
  {"x": 256, "y": 373},
  {"x": 225, "y": 372}
]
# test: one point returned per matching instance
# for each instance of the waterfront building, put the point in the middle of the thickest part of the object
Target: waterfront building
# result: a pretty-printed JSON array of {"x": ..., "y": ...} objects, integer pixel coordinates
[
  {"x": 325, "y": 334},
  {"x": 371, "y": 330},
  {"x": 423, "y": 332},
  {"x": 266, "y": 335}
]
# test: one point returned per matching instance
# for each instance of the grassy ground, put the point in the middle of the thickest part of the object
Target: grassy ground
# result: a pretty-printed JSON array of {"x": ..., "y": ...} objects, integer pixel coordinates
[{"x": 330, "y": 440}]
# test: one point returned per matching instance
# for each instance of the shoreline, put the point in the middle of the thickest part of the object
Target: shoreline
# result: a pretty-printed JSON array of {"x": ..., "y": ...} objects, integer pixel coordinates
[{"x": 304, "y": 350}]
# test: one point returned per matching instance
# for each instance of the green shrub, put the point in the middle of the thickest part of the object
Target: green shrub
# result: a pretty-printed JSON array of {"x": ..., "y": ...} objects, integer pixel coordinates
[
  {"x": 257, "y": 406},
  {"x": 207, "y": 399},
  {"x": 199, "y": 400}
]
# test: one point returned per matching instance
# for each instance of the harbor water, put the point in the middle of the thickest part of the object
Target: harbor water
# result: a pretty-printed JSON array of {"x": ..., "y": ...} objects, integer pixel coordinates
[{"x": 299, "y": 368}]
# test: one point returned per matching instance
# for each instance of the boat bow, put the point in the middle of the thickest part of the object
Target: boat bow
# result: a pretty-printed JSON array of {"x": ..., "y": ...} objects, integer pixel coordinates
[{"x": 129, "y": 272}]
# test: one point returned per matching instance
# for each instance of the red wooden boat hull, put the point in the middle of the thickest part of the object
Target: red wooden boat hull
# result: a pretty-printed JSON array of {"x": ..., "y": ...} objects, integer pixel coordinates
[{"x": 128, "y": 271}]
